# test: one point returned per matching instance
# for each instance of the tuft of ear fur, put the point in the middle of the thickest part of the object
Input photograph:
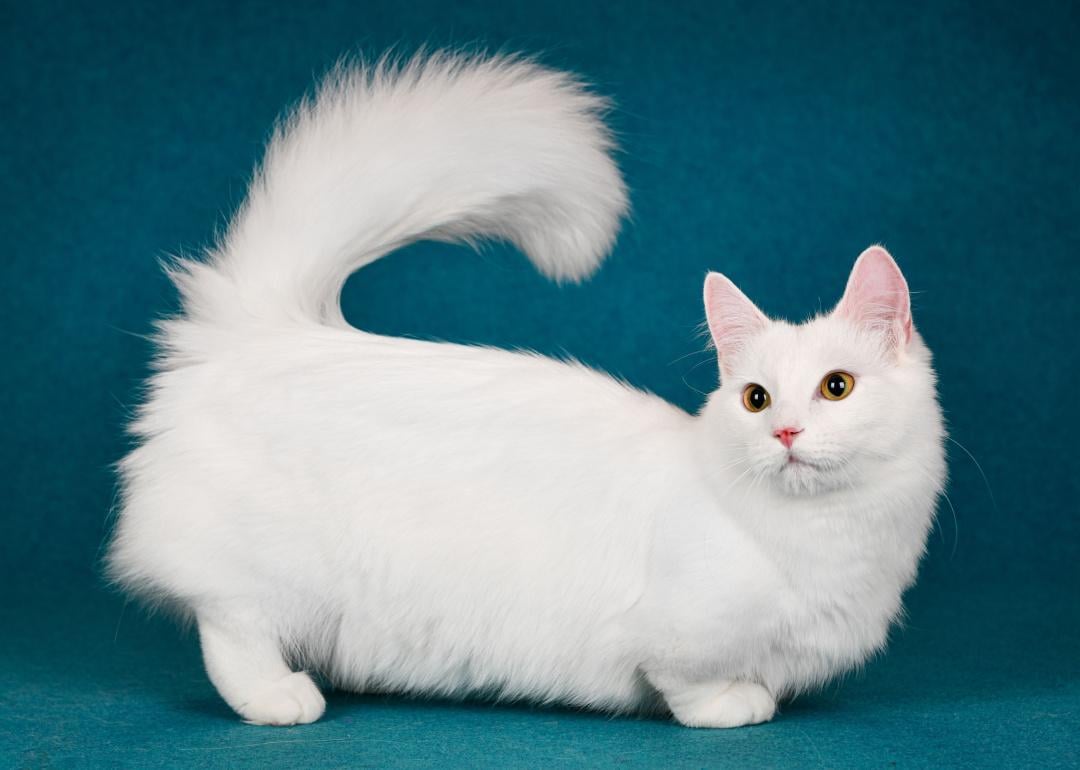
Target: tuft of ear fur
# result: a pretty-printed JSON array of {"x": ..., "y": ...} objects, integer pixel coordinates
[
  {"x": 877, "y": 297},
  {"x": 732, "y": 317}
]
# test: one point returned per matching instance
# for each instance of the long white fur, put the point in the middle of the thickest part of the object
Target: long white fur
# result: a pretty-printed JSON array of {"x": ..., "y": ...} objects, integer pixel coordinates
[{"x": 443, "y": 519}]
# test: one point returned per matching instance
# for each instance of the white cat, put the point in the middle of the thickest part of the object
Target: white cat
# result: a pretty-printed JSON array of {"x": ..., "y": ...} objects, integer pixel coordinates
[{"x": 443, "y": 519}]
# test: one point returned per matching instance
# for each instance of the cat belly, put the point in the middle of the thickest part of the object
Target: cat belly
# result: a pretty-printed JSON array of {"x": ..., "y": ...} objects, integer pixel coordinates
[{"x": 438, "y": 652}]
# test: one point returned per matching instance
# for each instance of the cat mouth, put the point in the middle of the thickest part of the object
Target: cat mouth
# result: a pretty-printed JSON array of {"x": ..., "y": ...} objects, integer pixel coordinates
[{"x": 794, "y": 461}]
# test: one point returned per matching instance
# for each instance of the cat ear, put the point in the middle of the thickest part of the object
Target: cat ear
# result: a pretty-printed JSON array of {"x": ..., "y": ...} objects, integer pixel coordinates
[
  {"x": 732, "y": 316},
  {"x": 877, "y": 297}
]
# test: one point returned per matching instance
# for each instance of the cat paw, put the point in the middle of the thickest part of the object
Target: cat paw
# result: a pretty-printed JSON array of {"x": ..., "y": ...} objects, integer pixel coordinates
[
  {"x": 292, "y": 700},
  {"x": 733, "y": 705}
]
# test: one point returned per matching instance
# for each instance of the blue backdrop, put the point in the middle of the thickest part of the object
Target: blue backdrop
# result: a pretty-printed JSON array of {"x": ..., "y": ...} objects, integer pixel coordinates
[{"x": 770, "y": 141}]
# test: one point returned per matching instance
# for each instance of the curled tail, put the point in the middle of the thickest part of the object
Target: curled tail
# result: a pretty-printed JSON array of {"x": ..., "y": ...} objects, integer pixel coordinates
[{"x": 444, "y": 147}]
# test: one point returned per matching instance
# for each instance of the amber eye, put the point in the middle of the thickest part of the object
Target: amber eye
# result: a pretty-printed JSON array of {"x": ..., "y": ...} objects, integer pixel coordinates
[
  {"x": 755, "y": 398},
  {"x": 837, "y": 385}
]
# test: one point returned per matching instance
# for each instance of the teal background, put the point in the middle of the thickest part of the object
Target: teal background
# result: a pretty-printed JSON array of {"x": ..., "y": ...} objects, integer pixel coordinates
[{"x": 770, "y": 141}]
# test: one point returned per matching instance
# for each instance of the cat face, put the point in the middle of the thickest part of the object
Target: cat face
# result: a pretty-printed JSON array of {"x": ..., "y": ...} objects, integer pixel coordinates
[{"x": 827, "y": 404}]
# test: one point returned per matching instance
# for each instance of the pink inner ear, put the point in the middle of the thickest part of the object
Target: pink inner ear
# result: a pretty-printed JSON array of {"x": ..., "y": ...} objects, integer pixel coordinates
[
  {"x": 732, "y": 317},
  {"x": 877, "y": 296}
]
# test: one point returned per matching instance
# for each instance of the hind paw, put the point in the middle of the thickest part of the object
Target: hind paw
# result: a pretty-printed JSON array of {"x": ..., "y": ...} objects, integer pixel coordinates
[{"x": 720, "y": 704}]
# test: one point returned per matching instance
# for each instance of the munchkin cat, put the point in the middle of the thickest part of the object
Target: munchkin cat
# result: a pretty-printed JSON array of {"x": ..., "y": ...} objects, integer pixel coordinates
[{"x": 406, "y": 516}]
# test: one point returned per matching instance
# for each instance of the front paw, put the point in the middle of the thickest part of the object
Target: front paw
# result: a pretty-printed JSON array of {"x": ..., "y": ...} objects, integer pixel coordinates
[
  {"x": 293, "y": 700},
  {"x": 725, "y": 704}
]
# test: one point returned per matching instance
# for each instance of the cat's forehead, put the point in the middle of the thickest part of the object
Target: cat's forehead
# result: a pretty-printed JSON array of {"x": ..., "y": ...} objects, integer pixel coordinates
[{"x": 784, "y": 350}]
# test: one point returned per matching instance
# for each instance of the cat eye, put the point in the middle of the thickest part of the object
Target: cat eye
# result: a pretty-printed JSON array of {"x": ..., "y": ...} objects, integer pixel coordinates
[
  {"x": 755, "y": 398},
  {"x": 837, "y": 385}
]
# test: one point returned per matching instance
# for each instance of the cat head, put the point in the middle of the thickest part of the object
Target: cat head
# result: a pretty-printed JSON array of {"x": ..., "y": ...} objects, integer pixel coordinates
[{"x": 828, "y": 404}]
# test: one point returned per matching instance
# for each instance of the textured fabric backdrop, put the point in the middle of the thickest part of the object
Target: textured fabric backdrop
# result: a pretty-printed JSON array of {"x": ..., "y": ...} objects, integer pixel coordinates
[{"x": 770, "y": 141}]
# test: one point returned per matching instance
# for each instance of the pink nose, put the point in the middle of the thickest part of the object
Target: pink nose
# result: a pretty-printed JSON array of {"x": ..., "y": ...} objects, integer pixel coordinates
[{"x": 787, "y": 435}]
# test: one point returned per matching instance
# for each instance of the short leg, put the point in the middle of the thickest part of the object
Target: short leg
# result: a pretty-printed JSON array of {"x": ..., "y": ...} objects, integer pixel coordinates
[
  {"x": 249, "y": 672},
  {"x": 718, "y": 703}
]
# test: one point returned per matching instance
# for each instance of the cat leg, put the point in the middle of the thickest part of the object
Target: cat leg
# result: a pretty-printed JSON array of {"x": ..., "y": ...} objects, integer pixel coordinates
[
  {"x": 716, "y": 703},
  {"x": 247, "y": 668}
]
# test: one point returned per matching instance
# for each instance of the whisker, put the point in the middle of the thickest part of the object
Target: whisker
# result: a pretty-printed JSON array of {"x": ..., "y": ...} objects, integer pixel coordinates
[
  {"x": 955, "y": 523},
  {"x": 952, "y": 508},
  {"x": 691, "y": 353},
  {"x": 986, "y": 481},
  {"x": 687, "y": 384},
  {"x": 737, "y": 478}
]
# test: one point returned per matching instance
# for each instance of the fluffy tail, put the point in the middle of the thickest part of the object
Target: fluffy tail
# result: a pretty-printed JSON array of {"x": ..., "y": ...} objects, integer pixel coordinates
[{"x": 444, "y": 147}]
